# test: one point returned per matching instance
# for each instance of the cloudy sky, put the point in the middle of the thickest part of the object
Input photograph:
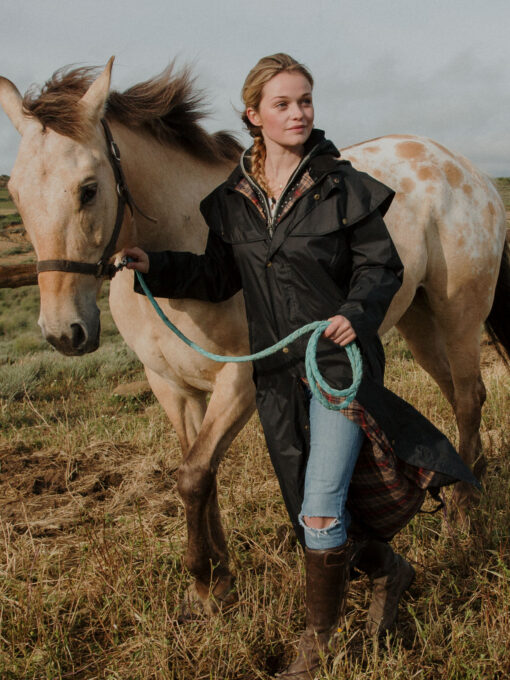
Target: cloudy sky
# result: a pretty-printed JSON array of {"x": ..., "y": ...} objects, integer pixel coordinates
[{"x": 438, "y": 68}]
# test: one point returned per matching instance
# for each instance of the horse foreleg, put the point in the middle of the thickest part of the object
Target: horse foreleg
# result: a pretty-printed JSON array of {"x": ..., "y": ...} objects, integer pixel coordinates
[
  {"x": 185, "y": 407},
  {"x": 230, "y": 406}
]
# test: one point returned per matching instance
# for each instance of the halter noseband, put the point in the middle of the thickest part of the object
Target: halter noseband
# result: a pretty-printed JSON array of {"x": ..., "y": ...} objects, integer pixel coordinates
[{"x": 102, "y": 268}]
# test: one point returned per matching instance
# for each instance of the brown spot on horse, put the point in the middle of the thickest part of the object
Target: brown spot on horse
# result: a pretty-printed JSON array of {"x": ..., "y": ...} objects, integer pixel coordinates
[
  {"x": 453, "y": 174},
  {"x": 427, "y": 172},
  {"x": 407, "y": 185},
  {"x": 414, "y": 151}
]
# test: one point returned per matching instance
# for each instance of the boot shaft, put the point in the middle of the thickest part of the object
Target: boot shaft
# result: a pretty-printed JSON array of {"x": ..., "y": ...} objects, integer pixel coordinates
[{"x": 327, "y": 574}]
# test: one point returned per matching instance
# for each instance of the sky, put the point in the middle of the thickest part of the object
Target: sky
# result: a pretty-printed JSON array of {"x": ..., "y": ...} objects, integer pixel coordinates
[{"x": 434, "y": 68}]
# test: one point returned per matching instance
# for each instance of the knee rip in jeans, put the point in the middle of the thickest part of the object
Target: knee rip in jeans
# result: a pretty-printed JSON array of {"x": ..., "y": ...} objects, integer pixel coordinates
[{"x": 319, "y": 532}]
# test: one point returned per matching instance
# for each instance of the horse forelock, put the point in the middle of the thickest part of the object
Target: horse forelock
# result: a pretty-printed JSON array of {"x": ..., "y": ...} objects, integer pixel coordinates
[
  {"x": 168, "y": 106},
  {"x": 56, "y": 104}
]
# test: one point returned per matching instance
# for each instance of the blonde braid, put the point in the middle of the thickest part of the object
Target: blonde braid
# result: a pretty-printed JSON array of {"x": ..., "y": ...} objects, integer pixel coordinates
[{"x": 258, "y": 163}]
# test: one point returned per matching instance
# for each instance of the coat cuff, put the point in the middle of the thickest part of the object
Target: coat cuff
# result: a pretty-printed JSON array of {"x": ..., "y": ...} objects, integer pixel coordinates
[{"x": 158, "y": 263}]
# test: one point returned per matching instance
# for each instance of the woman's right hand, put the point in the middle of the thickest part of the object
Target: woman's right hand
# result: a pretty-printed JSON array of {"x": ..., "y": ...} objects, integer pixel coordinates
[{"x": 140, "y": 259}]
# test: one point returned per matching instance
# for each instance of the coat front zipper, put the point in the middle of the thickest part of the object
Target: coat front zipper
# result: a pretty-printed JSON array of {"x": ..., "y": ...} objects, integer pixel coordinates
[{"x": 271, "y": 218}]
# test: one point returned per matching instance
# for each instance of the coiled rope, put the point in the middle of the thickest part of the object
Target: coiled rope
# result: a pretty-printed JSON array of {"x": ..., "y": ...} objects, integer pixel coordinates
[{"x": 319, "y": 387}]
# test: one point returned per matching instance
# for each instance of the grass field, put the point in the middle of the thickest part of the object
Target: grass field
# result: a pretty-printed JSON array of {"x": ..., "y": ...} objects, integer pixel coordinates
[{"x": 93, "y": 532}]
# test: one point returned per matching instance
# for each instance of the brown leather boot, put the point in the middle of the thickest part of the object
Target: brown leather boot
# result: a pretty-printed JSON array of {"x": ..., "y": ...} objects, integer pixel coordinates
[
  {"x": 391, "y": 575},
  {"x": 326, "y": 589}
]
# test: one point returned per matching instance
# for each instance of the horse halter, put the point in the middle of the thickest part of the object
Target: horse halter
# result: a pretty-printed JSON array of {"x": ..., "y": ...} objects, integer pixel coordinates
[{"x": 102, "y": 268}]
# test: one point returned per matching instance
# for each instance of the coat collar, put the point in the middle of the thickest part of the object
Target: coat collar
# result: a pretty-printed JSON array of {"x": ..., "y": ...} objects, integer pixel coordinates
[{"x": 321, "y": 151}]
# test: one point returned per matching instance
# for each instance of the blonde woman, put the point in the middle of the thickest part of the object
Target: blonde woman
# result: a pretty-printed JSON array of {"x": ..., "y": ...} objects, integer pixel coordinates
[{"x": 301, "y": 232}]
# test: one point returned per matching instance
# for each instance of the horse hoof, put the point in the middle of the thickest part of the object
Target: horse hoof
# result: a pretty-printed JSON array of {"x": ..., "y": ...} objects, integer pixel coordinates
[
  {"x": 199, "y": 601},
  {"x": 464, "y": 498}
]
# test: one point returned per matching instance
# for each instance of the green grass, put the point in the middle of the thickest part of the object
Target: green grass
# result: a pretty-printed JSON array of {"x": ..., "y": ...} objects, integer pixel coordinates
[{"x": 6, "y": 220}]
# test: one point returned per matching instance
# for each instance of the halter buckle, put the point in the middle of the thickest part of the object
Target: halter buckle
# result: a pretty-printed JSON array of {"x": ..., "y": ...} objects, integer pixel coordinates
[
  {"x": 115, "y": 150},
  {"x": 101, "y": 267}
]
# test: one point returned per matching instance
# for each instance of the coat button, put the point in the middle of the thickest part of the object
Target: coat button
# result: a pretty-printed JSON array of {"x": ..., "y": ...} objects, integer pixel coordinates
[
  {"x": 344, "y": 220},
  {"x": 285, "y": 350},
  {"x": 269, "y": 264},
  {"x": 335, "y": 180},
  {"x": 317, "y": 196}
]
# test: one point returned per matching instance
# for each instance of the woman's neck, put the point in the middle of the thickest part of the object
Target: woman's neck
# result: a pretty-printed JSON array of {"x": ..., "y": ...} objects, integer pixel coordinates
[{"x": 280, "y": 164}]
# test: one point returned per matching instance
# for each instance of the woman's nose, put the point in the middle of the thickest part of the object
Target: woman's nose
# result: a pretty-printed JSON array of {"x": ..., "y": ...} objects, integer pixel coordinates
[{"x": 296, "y": 111}]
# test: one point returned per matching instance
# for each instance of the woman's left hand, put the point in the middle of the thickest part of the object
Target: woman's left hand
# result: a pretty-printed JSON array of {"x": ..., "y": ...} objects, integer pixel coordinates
[{"x": 340, "y": 330}]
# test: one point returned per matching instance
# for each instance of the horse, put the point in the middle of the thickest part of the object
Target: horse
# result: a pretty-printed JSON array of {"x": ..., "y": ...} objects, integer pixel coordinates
[{"x": 447, "y": 221}]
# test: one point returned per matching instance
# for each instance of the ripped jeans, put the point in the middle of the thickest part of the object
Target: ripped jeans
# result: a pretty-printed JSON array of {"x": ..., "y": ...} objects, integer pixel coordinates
[{"x": 335, "y": 443}]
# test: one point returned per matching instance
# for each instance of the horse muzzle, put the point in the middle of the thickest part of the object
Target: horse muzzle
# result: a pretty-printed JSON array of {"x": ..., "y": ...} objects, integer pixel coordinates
[{"x": 77, "y": 339}]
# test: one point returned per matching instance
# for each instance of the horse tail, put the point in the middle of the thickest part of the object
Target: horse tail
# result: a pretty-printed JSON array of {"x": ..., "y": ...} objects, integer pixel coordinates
[{"x": 498, "y": 321}]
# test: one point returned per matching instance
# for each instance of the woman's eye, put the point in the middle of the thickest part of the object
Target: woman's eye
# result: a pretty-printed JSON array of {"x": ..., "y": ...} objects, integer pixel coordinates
[{"x": 88, "y": 193}]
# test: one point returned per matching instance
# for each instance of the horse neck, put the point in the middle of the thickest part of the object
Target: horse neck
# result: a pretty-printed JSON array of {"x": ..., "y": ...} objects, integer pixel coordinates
[{"x": 167, "y": 183}]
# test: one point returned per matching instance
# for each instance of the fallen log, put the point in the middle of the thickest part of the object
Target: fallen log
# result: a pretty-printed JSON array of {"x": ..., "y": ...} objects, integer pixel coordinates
[{"x": 17, "y": 275}]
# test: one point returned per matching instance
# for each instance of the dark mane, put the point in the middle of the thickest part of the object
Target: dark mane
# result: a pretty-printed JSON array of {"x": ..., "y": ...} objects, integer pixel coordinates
[{"x": 168, "y": 106}]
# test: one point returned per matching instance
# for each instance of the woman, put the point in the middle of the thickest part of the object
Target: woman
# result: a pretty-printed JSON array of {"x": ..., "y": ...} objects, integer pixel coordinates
[{"x": 302, "y": 233}]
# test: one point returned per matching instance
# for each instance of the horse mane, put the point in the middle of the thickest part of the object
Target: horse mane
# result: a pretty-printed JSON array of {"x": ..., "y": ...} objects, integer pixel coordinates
[{"x": 168, "y": 106}]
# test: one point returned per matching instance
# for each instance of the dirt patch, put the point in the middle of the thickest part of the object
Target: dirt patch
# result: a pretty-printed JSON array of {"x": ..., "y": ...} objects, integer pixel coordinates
[{"x": 47, "y": 492}]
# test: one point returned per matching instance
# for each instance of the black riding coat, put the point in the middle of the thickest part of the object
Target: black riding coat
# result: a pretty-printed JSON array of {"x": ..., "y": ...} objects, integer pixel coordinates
[{"x": 329, "y": 254}]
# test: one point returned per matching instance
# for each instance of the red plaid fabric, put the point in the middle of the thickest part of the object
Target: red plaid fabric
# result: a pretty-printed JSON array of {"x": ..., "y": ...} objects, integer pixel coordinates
[
  {"x": 245, "y": 188},
  {"x": 385, "y": 492}
]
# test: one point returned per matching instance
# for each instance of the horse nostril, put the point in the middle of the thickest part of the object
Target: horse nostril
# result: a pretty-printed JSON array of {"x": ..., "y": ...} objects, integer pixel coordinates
[{"x": 79, "y": 337}]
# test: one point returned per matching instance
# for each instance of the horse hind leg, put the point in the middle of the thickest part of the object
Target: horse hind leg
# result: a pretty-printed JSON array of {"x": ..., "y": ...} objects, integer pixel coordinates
[
  {"x": 420, "y": 330},
  {"x": 463, "y": 348},
  {"x": 459, "y": 320},
  {"x": 450, "y": 352}
]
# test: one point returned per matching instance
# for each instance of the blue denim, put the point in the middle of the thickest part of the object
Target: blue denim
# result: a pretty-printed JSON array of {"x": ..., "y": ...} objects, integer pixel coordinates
[{"x": 335, "y": 443}]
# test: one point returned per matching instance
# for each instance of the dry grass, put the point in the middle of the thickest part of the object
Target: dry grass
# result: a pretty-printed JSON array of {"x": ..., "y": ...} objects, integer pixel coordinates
[{"x": 93, "y": 533}]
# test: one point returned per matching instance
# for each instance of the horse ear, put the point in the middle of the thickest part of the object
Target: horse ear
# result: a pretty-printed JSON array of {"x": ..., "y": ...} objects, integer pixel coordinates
[
  {"x": 94, "y": 99},
  {"x": 11, "y": 102}
]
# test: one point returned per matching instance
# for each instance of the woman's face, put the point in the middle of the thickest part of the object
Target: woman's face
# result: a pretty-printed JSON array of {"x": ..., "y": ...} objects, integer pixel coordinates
[{"x": 285, "y": 113}]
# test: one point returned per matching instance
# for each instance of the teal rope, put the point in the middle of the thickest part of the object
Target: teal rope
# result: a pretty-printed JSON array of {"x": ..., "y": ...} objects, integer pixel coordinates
[{"x": 318, "y": 385}]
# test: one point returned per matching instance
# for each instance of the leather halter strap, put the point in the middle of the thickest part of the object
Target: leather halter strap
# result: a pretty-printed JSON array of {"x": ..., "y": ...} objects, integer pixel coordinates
[{"x": 102, "y": 268}]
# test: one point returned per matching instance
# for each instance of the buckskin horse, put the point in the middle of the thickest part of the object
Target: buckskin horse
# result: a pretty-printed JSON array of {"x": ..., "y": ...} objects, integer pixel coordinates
[{"x": 447, "y": 221}]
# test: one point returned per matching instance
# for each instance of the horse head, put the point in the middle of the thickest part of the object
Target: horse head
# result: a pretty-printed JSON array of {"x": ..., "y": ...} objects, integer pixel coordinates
[{"x": 64, "y": 188}]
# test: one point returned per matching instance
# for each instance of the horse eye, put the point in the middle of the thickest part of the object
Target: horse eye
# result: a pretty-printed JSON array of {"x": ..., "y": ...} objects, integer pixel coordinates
[{"x": 88, "y": 193}]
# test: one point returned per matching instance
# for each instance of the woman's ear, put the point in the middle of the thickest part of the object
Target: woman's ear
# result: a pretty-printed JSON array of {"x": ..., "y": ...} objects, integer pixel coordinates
[{"x": 253, "y": 117}]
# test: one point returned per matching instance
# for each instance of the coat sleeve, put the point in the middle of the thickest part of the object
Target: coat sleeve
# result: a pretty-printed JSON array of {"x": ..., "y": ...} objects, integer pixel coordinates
[
  {"x": 212, "y": 276},
  {"x": 377, "y": 274}
]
